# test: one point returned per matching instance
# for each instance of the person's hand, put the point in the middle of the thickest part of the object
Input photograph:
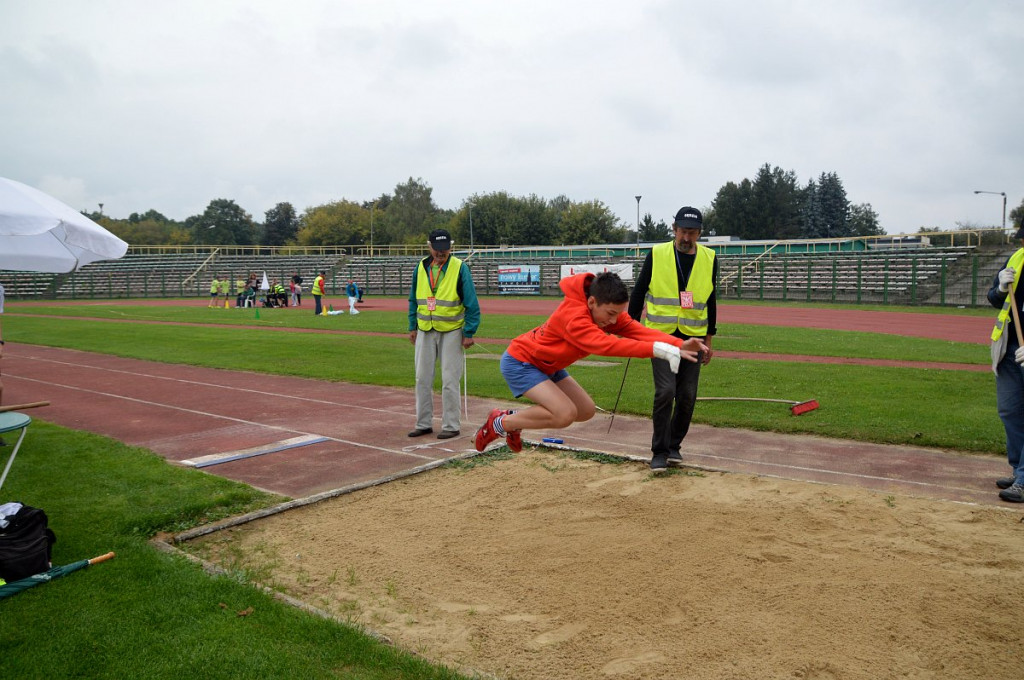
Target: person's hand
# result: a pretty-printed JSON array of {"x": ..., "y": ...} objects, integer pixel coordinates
[
  {"x": 1006, "y": 278},
  {"x": 467, "y": 342},
  {"x": 1019, "y": 356},
  {"x": 708, "y": 352},
  {"x": 412, "y": 336},
  {"x": 671, "y": 354},
  {"x": 701, "y": 347}
]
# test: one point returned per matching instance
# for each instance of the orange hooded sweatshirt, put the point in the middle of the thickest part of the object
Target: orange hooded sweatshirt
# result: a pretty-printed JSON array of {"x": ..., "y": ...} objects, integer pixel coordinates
[{"x": 571, "y": 334}]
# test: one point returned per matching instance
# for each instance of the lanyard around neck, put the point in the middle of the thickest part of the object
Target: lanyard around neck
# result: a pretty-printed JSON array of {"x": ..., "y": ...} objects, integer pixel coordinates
[{"x": 430, "y": 276}]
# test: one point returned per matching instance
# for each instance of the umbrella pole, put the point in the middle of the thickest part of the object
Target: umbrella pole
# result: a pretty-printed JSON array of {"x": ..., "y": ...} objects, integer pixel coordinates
[{"x": 15, "y": 587}]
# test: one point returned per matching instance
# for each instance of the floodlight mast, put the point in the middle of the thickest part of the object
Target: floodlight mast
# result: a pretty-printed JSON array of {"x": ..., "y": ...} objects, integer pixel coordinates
[{"x": 996, "y": 193}]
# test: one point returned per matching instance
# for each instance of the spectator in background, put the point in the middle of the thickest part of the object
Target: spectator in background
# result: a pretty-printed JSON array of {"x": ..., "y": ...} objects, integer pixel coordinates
[
  {"x": 225, "y": 289},
  {"x": 352, "y": 291},
  {"x": 240, "y": 286},
  {"x": 214, "y": 291},
  {"x": 1008, "y": 365},
  {"x": 297, "y": 280}
]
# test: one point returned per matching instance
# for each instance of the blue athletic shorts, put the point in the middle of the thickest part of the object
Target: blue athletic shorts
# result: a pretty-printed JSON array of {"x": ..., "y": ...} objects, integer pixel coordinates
[{"x": 522, "y": 376}]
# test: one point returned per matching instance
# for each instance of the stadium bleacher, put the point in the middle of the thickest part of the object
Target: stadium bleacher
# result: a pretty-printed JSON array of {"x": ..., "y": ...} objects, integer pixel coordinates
[{"x": 925, "y": 274}]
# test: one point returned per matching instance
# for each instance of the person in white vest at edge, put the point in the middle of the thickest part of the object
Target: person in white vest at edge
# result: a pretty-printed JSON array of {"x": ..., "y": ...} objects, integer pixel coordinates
[{"x": 1007, "y": 361}]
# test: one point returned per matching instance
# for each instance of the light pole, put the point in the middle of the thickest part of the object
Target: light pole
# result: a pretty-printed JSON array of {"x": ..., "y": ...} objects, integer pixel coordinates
[
  {"x": 470, "y": 228},
  {"x": 997, "y": 193},
  {"x": 638, "y": 221},
  {"x": 101, "y": 208},
  {"x": 373, "y": 207}
]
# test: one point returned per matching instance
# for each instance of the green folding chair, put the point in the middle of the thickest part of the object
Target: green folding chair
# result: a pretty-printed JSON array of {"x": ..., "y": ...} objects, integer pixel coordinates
[{"x": 10, "y": 421}]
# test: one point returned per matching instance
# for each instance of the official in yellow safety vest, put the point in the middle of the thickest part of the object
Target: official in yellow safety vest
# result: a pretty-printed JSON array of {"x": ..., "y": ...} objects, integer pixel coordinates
[
  {"x": 1008, "y": 365},
  {"x": 444, "y": 315},
  {"x": 676, "y": 289},
  {"x": 318, "y": 292}
]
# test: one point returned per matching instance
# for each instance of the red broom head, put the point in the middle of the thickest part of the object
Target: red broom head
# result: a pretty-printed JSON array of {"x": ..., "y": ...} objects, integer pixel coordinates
[{"x": 804, "y": 407}]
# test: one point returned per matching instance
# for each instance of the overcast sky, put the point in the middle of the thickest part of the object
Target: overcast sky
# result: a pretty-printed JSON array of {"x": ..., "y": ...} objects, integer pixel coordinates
[{"x": 140, "y": 105}]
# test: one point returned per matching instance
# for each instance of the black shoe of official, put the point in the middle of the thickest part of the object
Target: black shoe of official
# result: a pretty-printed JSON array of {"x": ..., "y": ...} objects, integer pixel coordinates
[
  {"x": 448, "y": 434},
  {"x": 675, "y": 458},
  {"x": 1015, "y": 494},
  {"x": 1005, "y": 482},
  {"x": 659, "y": 462},
  {"x": 420, "y": 431}
]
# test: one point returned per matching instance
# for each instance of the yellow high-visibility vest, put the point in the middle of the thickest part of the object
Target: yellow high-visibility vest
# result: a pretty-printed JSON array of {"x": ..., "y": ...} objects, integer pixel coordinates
[
  {"x": 448, "y": 314},
  {"x": 1015, "y": 261},
  {"x": 664, "y": 311}
]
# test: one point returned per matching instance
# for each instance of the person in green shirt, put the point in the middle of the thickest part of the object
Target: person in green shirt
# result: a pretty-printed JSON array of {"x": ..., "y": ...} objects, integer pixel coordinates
[{"x": 214, "y": 290}]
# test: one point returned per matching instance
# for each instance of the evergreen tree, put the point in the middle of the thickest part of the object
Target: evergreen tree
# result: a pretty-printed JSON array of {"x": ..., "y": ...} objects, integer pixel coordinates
[
  {"x": 280, "y": 225},
  {"x": 651, "y": 232},
  {"x": 835, "y": 208},
  {"x": 813, "y": 224}
]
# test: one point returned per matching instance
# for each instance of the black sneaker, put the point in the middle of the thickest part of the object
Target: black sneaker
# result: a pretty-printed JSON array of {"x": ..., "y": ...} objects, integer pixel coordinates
[
  {"x": 659, "y": 462},
  {"x": 1005, "y": 482},
  {"x": 1015, "y": 494},
  {"x": 675, "y": 458}
]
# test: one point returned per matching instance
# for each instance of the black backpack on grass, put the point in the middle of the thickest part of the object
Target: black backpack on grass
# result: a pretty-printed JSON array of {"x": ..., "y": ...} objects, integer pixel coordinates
[{"x": 25, "y": 544}]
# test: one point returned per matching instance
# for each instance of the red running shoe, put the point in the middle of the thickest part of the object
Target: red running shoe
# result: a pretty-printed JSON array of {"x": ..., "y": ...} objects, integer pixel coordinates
[
  {"x": 514, "y": 438},
  {"x": 486, "y": 434}
]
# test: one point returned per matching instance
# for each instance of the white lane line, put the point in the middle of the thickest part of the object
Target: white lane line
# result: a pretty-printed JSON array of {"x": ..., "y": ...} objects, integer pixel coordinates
[
  {"x": 218, "y": 416},
  {"x": 197, "y": 383}
]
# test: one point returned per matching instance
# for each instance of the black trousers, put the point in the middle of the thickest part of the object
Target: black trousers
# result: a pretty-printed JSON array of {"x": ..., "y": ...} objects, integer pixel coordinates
[{"x": 675, "y": 395}]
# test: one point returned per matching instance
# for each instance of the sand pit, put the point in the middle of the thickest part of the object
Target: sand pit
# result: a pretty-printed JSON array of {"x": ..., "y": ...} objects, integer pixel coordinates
[{"x": 546, "y": 566}]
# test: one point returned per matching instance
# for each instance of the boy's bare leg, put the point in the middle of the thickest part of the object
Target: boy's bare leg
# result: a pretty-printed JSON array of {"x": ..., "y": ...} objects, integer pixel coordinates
[{"x": 556, "y": 405}]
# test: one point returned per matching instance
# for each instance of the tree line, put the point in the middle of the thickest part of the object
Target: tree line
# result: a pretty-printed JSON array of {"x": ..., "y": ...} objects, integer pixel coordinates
[{"x": 771, "y": 206}]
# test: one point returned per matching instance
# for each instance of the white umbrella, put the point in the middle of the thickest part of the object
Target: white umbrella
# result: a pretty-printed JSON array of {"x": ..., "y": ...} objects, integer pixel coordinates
[{"x": 38, "y": 233}]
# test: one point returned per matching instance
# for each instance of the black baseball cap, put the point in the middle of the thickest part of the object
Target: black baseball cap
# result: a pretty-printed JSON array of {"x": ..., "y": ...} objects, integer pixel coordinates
[
  {"x": 688, "y": 218},
  {"x": 1020, "y": 229},
  {"x": 440, "y": 240}
]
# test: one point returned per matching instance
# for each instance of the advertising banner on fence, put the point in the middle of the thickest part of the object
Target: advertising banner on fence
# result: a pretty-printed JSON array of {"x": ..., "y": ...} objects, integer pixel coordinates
[
  {"x": 514, "y": 279},
  {"x": 625, "y": 271}
]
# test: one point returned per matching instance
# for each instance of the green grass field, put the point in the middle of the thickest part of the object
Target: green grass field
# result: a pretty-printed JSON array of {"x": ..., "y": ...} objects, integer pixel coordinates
[
  {"x": 146, "y": 614},
  {"x": 947, "y": 409}
]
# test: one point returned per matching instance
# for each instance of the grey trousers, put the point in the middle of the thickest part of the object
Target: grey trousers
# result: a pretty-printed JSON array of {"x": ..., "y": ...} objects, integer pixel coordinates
[{"x": 432, "y": 346}]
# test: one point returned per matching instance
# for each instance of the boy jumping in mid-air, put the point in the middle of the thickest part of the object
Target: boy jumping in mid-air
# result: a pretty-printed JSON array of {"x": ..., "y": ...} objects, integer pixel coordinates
[{"x": 587, "y": 321}]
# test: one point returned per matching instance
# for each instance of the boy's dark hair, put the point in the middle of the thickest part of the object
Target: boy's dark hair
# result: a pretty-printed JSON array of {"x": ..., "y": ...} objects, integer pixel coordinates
[{"x": 608, "y": 288}]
